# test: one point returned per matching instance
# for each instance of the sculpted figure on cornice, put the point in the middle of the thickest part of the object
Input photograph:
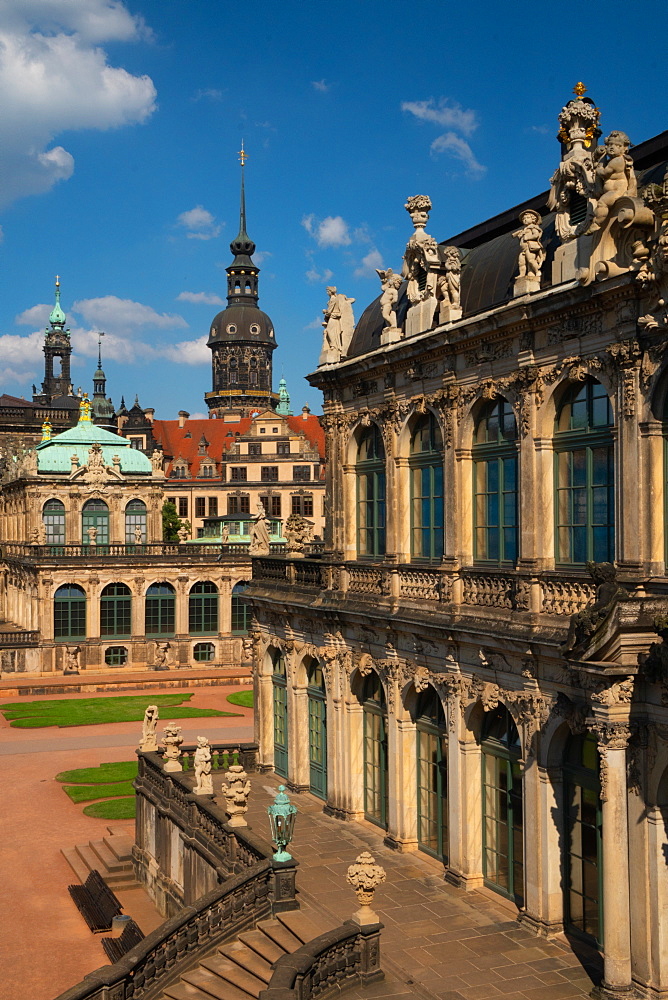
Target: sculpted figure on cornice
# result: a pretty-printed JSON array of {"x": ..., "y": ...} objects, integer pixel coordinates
[
  {"x": 532, "y": 252},
  {"x": 578, "y": 135},
  {"x": 586, "y": 623},
  {"x": 390, "y": 284},
  {"x": 653, "y": 260},
  {"x": 339, "y": 325}
]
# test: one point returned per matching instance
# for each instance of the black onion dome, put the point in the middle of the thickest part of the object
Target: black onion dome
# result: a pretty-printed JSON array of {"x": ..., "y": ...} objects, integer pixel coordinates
[{"x": 242, "y": 322}]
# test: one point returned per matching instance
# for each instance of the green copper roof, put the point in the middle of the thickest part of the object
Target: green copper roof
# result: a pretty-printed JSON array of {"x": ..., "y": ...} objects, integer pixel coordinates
[
  {"x": 57, "y": 317},
  {"x": 55, "y": 455},
  {"x": 283, "y": 399}
]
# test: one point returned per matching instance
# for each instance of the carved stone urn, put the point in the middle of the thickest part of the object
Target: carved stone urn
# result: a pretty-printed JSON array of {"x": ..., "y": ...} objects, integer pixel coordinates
[{"x": 365, "y": 876}]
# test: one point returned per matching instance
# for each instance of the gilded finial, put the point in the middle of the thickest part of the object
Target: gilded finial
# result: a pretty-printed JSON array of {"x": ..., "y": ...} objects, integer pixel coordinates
[
  {"x": 243, "y": 155},
  {"x": 84, "y": 409},
  {"x": 57, "y": 281},
  {"x": 579, "y": 89},
  {"x": 46, "y": 430}
]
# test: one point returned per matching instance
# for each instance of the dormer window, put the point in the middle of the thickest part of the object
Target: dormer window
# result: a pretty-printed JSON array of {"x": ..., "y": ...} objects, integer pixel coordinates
[
  {"x": 254, "y": 328},
  {"x": 232, "y": 327},
  {"x": 179, "y": 472}
]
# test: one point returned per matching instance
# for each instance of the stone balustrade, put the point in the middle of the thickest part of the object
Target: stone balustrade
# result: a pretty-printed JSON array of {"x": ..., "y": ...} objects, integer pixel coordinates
[{"x": 189, "y": 551}]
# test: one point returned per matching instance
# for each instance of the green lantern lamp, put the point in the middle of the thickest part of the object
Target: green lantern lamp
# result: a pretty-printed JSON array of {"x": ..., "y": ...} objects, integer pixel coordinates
[{"x": 282, "y": 821}]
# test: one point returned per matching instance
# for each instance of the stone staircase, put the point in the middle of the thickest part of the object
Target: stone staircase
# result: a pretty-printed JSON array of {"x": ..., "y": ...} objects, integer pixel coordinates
[
  {"x": 241, "y": 969},
  {"x": 111, "y": 856}
]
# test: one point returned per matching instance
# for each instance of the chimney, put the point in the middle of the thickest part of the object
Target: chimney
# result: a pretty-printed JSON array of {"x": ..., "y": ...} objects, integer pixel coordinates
[
  {"x": 149, "y": 413},
  {"x": 183, "y": 416}
]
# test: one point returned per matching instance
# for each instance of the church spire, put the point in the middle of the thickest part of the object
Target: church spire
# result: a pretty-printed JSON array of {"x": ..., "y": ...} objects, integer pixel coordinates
[
  {"x": 57, "y": 317},
  {"x": 242, "y": 245}
]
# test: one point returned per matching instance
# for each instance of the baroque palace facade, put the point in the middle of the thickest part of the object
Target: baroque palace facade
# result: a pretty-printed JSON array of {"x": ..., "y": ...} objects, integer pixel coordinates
[{"x": 475, "y": 655}]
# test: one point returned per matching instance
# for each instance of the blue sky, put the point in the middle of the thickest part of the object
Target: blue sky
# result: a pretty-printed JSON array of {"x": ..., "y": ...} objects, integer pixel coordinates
[{"x": 118, "y": 155}]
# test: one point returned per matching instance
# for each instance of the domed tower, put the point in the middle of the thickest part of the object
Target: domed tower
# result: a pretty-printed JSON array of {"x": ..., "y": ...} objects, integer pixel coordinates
[
  {"x": 57, "y": 345},
  {"x": 241, "y": 336}
]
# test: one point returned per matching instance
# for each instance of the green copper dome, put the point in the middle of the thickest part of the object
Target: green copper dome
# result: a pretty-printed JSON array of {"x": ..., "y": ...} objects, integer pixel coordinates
[
  {"x": 55, "y": 455},
  {"x": 57, "y": 317}
]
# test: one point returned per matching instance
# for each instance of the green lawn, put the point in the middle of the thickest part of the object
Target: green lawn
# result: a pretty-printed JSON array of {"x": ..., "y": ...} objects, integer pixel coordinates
[
  {"x": 243, "y": 698},
  {"x": 125, "y": 770},
  {"x": 110, "y": 784},
  {"x": 93, "y": 711},
  {"x": 87, "y": 793},
  {"x": 112, "y": 809}
]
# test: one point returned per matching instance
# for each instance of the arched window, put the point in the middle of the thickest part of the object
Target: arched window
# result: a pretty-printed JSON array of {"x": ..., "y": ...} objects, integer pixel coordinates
[
  {"x": 584, "y": 463},
  {"x": 432, "y": 775},
  {"x": 426, "y": 476},
  {"x": 69, "y": 612},
  {"x": 370, "y": 470},
  {"x": 280, "y": 704},
  {"x": 53, "y": 516},
  {"x": 241, "y": 611},
  {"x": 116, "y": 610},
  {"x": 374, "y": 709},
  {"x": 203, "y": 609},
  {"x": 135, "y": 521},
  {"x": 503, "y": 827},
  {"x": 160, "y": 609},
  {"x": 95, "y": 522},
  {"x": 495, "y": 484},
  {"x": 583, "y": 882},
  {"x": 317, "y": 730}
]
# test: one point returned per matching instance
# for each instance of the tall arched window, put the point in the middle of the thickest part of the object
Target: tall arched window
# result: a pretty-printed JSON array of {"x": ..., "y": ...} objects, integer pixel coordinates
[
  {"x": 95, "y": 516},
  {"x": 69, "y": 612},
  {"x": 280, "y": 705},
  {"x": 160, "y": 609},
  {"x": 495, "y": 484},
  {"x": 584, "y": 463},
  {"x": 426, "y": 476},
  {"x": 317, "y": 730},
  {"x": 374, "y": 709},
  {"x": 503, "y": 827},
  {"x": 241, "y": 611},
  {"x": 432, "y": 776},
  {"x": 116, "y": 610},
  {"x": 53, "y": 516},
  {"x": 583, "y": 883},
  {"x": 370, "y": 471},
  {"x": 135, "y": 521},
  {"x": 203, "y": 609}
]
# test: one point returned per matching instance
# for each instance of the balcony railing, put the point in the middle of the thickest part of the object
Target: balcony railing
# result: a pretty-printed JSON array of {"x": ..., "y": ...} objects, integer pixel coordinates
[
  {"x": 18, "y": 638},
  {"x": 117, "y": 550}
]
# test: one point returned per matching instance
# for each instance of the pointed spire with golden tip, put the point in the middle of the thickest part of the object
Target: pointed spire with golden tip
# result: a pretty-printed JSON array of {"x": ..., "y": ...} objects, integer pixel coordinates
[{"x": 57, "y": 317}]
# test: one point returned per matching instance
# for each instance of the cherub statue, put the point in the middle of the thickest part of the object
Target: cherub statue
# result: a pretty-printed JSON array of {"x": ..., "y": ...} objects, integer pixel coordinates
[
  {"x": 138, "y": 533},
  {"x": 448, "y": 285},
  {"x": 202, "y": 759},
  {"x": 390, "y": 284},
  {"x": 586, "y": 622},
  {"x": 236, "y": 791},
  {"x": 149, "y": 741},
  {"x": 183, "y": 534},
  {"x": 171, "y": 741},
  {"x": 532, "y": 252},
  {"x": 614, "y": 176},
  {"x": 298, "y": 531},
  {"x": 259, "y": 532}
]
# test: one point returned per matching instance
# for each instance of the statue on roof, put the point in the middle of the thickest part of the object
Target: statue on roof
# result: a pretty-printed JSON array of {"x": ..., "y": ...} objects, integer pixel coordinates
[
  {"x": 156, "y": 464},
  {"x": 448, "y": 285},
  {"x": 259, "y": 532},
  {"x": 614, "y": 176},
  {"x": 532, "y": 252},
  {"x": 390, "y": 284},
  {"x": 339, "y": 324},
  {"x": 572, "y": 184}
]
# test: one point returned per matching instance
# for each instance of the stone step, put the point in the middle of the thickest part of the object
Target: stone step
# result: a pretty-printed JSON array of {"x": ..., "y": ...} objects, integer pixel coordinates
[
  {"x": 248, "y": 959},
  {"x": 263, "y": 945},
  {"x": 109, "y": 861},
  {"x": 89, "y": 859},
  {"x": 79, "y": 867},
  {"x": 183, "y": 991},
  {"x": 212, "y": 985},
  {"x": 120, "y": 846},
  {"x": 280, "y": 934},
  {"x": 306, "y": 924},
  {"x": 234, "y": 974}
]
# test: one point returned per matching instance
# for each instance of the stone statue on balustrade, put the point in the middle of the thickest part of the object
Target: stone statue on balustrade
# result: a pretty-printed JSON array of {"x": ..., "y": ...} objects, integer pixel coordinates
[
  {"x": 92, "y": 535},
  {"x": 614, "y": 176},
  {"x": 171, "y": 741},
  {"x": 161, "y": 656},
  {"x": 156, "y": 464},
  {"x": 236, "y": 790},
  {"x": 448, "y": 285},
  {"x": 202, "y": 760},
  {"x": 183, "y": 534},
  {"x": 390, "y": 284},
  {"x": 586, "y": 623},
  {"x": 139, "y": 535},
  {"x": 71, "y": 660},
  {"x": 532, "y": 253},
  {"x": 259, "y": 532},
  {"x": 298, "y": 532},
  {"x": 149, "y": 739},
  {"x": 339, "y": 324}
]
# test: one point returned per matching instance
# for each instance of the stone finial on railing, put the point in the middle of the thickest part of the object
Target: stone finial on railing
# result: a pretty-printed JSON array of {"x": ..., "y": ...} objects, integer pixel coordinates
[
  {"x": 365, "y": 876},
  {"x": 202, "y": 761},
  {"x": 236, "y": 791},
  {"x": 149, "y": 741},
  {"x": 172, "y": 740}
]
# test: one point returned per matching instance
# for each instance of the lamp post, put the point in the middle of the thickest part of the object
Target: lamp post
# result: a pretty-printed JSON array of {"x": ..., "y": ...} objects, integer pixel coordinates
[{"x": 282, "y": 822}]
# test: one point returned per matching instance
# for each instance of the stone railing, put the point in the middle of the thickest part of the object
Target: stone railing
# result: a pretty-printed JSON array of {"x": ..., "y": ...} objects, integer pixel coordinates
[
  {"x": 116, "y": 550},
  {"x": 367, "y": 580},
  {"x": 566, "y": 597},
  {"x": 489, "y": 590},
  {"x": 420, "y": 584},
  {"x": 335, "y": 961},
  {"x": 18, "y": 638},
  {"x": 296, "y": 572}
]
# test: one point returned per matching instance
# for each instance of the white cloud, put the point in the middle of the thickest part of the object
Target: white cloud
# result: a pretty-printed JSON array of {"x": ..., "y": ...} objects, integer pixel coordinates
[
  {"x": 200, "y": 223},
  {"x": 210, "y": 93},
  {"x": 200, "y": 298},
  {"x": 34, "y": 316},
  {"x": 460, "y": 149},
  {"x": 54, "y": 76},
  {"x": 443, "y": 113},
  {"x": 456, "y": 120},
  {"x": 20, "y": 357},
  {"x": 315, "y": 324},
  {"x": 260, "y": 256},
  {"x": 119, "y": 316},
  {"x": 189, "y": 352},
  {"x": 313, "y": 276},
  {"x": 329, "y": 232},
  {"x": 199, "y": 416},
  {"x": 321, "y": 85},
  {"x": 368, "y": 264}
]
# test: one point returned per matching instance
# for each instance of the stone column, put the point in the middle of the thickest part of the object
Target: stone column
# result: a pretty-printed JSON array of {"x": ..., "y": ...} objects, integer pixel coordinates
[
  {"x": 551, "y": 905},
  {"x": 352, "y": 790},
  {"x": 652, "y": 452},
  {"x": 265, "y": 719},
  {"x": 403, "y": 525},
  {"x": 613, "y": 736},
  {"x": 544, "y": 502},
  {"x": 137, "y": 607},
  {"x": 181, "y": 610},
  {"x": 298, "y": 737},
  {"x": 392, "y": 507},
  {"x": 93, "y": 608},
  {"x": 225, "y": 606},
  {"x": 534, "y": 847},
  {"x": 630, "y": 501},
  {"x": 470, "y": 832},
  {"x": 402, "y": 779},
  {"x": 456, "y": 793},
  {"x": 458, "y": 506}
]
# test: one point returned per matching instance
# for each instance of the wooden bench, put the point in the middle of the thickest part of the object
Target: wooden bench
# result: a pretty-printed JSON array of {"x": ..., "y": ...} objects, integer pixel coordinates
[
  {"x": 115, "y": 948},
  {"x": 96, "y": 902}
]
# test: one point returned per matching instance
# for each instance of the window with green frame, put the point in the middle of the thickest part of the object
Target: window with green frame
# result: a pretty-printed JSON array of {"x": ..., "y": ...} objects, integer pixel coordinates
[
  {"x": 426, "y": 479},
  {"x": 69, "y": 612},
  {"x": 583, "y": 883},
  {"x": 376, "y": 790},
  {"x": 203, "y": 609},
  {"x": 116, "y": 610},
  {"x": 370, "y": 473},
  {"x": 495, "y": 537},
  {"x": 160, "y": 609},
  {"x": 116, "y": 656},
  {"x": 53, "y": 516},
  {"x": 241, "y": 611},
  {"x": 432, "y": 775},
  {"x": 135, "y": 517},
  {"x": 204, "y": 652},
  {"x": 584, "y": 476},
  {"x": 502, "y": 806},
  {"x": 95, "y": 514}
]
